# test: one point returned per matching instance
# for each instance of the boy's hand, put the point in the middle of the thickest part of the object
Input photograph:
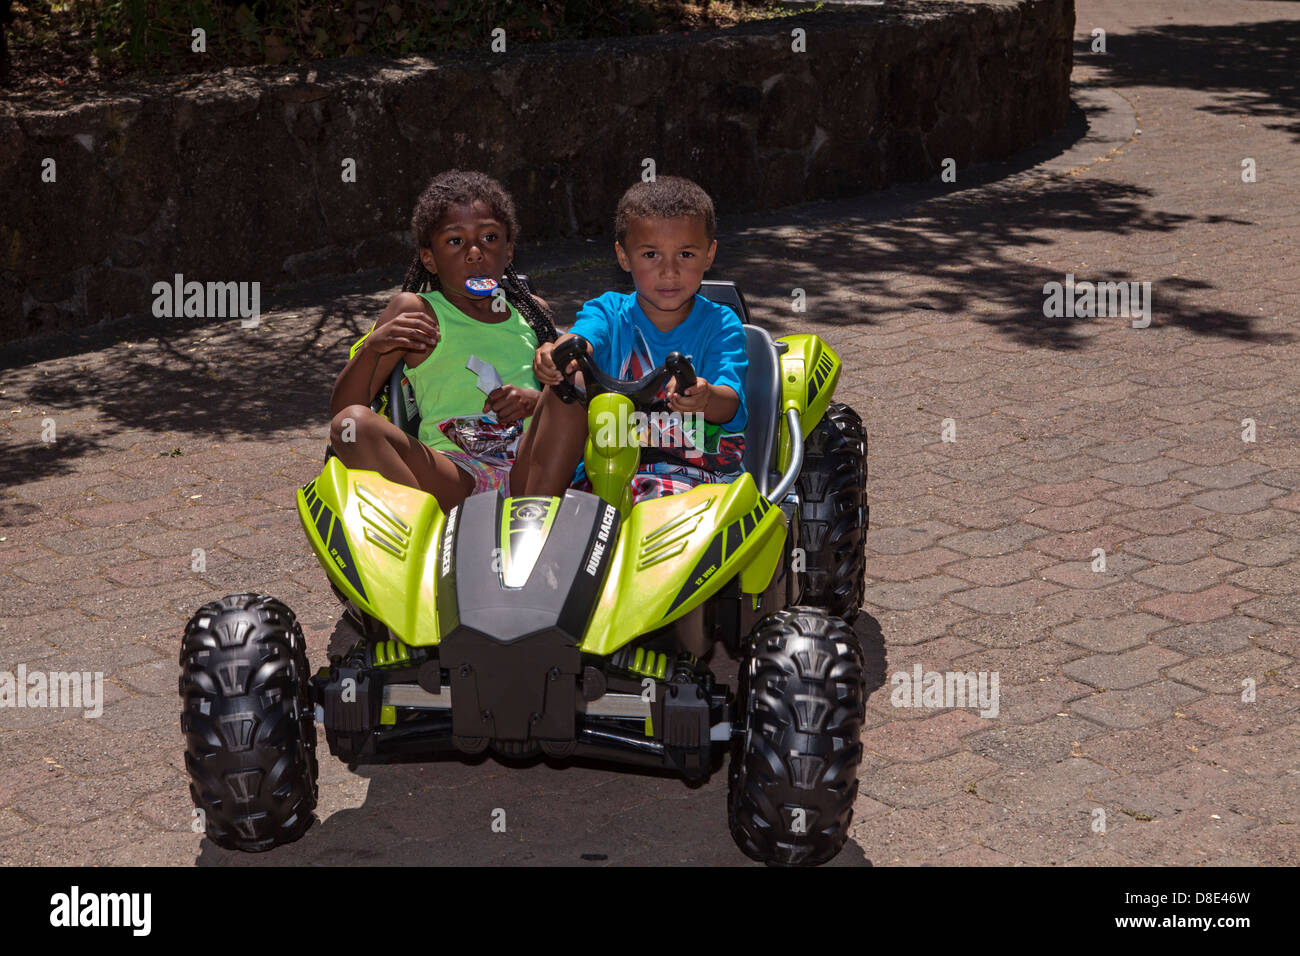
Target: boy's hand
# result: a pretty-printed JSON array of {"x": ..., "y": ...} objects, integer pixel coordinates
[
  {"x": 406, "y": 332},
  {"x": 511, "y": 403},
  {"x": 694, "y": 399}
]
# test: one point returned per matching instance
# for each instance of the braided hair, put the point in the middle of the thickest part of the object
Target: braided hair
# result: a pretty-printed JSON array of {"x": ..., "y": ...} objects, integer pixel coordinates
[{"x": 459, "y": 187}]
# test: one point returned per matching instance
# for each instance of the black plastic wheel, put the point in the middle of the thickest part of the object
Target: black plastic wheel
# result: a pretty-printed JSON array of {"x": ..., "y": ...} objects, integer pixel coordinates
[
  {"x": 248, "y": 722},
  {"x": 833, "y": 512},
  {"x": 794, "y": 774}
]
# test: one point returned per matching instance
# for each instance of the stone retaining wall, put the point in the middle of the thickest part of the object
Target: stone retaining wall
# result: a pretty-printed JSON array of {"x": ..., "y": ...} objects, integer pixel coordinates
[{"x": 238, "y": 176}]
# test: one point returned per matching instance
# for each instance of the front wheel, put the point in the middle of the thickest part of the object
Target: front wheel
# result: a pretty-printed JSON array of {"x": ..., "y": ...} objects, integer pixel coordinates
[
  {"x": 794, "y": 775},
  {"x": 248, "y": 722}
]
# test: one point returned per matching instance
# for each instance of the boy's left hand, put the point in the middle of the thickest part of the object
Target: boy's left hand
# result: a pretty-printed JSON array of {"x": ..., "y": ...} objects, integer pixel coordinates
[
  {"x": 694, "y": 399},
  {"x": 511, "y": 403}
]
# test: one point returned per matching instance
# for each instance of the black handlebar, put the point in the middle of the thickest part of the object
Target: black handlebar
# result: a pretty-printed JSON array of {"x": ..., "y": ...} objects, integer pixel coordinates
[{"x": 644, "y": 392}]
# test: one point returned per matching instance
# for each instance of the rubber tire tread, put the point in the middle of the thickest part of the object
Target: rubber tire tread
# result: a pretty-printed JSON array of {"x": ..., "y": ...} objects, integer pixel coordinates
[
  {"x": 833, "y": 513},
  {"x": 804, "y": 697},
  {"x": 251, "y": 756}
]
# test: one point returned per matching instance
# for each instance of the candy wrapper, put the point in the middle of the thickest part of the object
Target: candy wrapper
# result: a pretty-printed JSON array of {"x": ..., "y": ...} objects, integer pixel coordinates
[{"x": 483, "y": 436}]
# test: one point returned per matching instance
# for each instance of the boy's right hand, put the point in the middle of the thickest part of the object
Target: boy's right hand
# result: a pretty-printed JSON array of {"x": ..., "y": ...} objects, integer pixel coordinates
[{"x": 406, "y": 332}]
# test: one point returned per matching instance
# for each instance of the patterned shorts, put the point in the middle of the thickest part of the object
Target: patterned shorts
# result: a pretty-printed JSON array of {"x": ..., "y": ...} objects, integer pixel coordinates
[
  {"x": 488, "y": 475},
  {"x": 660, "y": 481}
]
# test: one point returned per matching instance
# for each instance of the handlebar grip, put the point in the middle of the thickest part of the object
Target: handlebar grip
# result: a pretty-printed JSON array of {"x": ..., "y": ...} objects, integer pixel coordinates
[
  {"x": 682, "y": 370},
  {"x": 569, "y": 350},
  {"x": 564, "y": 353}
]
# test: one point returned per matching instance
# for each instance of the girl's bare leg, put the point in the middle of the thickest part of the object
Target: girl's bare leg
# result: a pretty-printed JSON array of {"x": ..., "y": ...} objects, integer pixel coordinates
[
  {"x": 378, "y": 445},
  {"x": 550, "y": 449}
]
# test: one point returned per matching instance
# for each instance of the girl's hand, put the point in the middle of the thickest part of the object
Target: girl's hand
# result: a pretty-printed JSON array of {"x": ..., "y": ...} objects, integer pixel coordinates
[
  {"x": 694, "y": 399},
  {"x": 544, "y": 369},
  {"x": 406, "y": 332},
  {"x": 511, "y": 403}
]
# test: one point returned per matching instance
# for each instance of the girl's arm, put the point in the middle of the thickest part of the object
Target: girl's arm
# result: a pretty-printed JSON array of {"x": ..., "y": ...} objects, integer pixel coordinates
[{"x": 407, "y": 330}]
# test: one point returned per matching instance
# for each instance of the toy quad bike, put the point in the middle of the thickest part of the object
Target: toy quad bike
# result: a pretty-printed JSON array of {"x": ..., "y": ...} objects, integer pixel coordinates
[{"x": 571, "y": 626}]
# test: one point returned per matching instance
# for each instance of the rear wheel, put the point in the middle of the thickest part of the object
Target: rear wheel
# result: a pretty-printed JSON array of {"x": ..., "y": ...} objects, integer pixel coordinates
[
  {"x": 794, "y": 775},
  {"x": 833, "y": 513},
  {"x": 248, "y": 722}
]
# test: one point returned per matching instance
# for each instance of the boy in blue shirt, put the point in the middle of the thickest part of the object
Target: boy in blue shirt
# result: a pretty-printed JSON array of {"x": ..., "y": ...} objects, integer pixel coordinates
[{"x": 665, "y": 238}]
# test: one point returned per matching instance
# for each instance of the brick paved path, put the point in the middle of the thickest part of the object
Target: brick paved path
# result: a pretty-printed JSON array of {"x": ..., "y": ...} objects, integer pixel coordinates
[{"x": 1121, "y": 690}]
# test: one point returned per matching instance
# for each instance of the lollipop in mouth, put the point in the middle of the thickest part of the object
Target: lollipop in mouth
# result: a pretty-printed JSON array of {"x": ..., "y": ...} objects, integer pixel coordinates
[{"x": 481, "y": 285}]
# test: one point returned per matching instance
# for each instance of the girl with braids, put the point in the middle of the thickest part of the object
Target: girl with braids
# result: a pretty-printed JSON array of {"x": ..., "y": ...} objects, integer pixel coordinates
[{"x": 465, "y": 226}]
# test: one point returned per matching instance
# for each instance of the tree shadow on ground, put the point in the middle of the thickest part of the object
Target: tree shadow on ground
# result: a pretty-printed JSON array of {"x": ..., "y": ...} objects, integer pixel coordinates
[{"x": 1252, "y": 68}]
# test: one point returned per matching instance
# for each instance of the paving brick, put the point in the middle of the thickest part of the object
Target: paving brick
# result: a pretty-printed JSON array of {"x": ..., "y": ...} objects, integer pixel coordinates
[
  {"x": 908, "y": 567},
  {"x": 1010, "y": 630},
  {"x": 1001, "y": 570},
  {"x": 925, "y": 784},
  {"x": 1032, "y": 745},
  {"x": 1081, "y": 574},
  {"x": 1045, "y": 839},
  {"x": 1122, "y": 671},
  {"x": 918, "y": 740},
  {"x": 1192, "y": 576},
  {"x": 895, "y": 541},
  {"x": 1081, "y": 517},
  {"x": 1174, "y": 548},
  {"x": 1272, "y": 845},
  {"x": 1142, "y": 449},
  {"x": 1044, "y": 789},
  {"x": 1153, "y": 748},
  {"x": 1284, "y": 610},
  {"x": 1162, "y": 521},
  {"x": 1079, "y": 546},
  {"x": 1105, "y": 602},
  {"x": 1162, "y": 494},
  {"x": 1207, "y": 605},
  {"x": 922, "y": 624},
  {"x": 1138, "y": 707},
  {"x": 1152, "y": 472},
  {"x": 1045, "y": 697},
  {"x": 1005, "y": 600},
  {"x": 1212, "y": 638},
  {"x": 975, "y": 855},
  {"x": 1222, "y": 476},
  {"x": 908, "y": 833},
  {"x": 987, "y": 543},
  {"x": 1067, "y": 493},
  {"x": 1236, "y": 501},
  {"x": 1272, "y": 581},
  {"x": 1260, "y": 800},
  {"x": 1187, "y": 839},
  {"x": 1224, "y": 675},
  {"x": 110, "y": 515},
  {"x": 1273, "y": 706}
]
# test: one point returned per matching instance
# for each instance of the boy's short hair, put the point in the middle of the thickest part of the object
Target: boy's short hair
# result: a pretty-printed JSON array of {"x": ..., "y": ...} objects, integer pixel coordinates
[{"x": 665, "y": 197}]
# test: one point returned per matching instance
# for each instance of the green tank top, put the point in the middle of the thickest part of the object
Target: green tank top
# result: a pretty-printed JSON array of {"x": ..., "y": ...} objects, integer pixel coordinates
[{"x": 444, "y": 388}]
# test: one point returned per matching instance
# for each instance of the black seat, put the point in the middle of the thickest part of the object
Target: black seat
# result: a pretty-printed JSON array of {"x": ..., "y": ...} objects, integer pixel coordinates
[{"x": 762, "y": 386}]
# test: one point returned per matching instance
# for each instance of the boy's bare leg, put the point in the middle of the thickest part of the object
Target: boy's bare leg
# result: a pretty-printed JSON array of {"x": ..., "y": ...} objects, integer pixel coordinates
[
  {"x": 551, "y": 448},
  {"x": 379, "y": 445}
]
